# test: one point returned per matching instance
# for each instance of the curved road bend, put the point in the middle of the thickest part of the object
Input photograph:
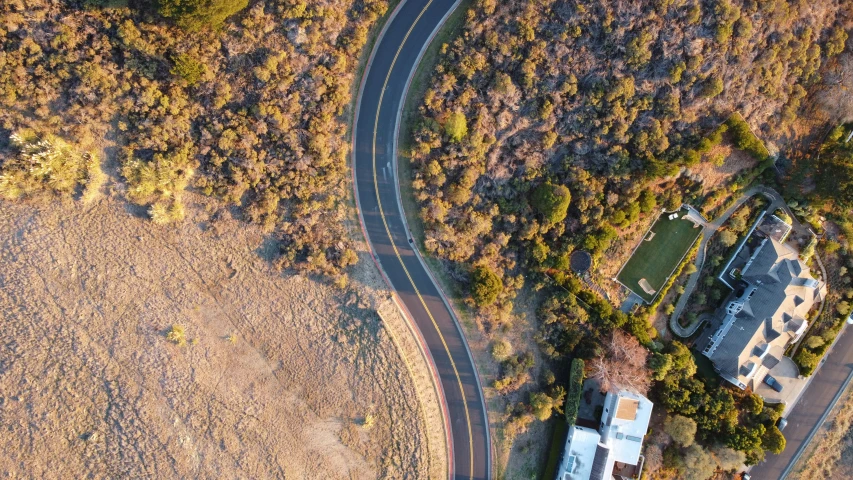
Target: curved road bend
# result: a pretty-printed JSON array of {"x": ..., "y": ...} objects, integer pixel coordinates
[{"x": 383, "y": 88}]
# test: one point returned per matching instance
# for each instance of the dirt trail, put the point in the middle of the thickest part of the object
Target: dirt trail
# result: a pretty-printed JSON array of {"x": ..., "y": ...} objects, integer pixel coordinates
[{"x": 276, "y": 380}]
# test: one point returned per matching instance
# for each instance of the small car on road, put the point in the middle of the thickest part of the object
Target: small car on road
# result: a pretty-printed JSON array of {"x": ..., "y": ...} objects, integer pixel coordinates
[{"x": 773, "y": 383}]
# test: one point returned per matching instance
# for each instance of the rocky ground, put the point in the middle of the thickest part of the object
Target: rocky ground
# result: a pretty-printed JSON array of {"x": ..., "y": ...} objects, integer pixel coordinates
[{"x": 281, "y": 375}]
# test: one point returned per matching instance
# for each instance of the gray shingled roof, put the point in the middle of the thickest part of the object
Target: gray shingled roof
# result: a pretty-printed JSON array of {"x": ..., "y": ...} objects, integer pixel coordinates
[
  {"x": 599, "y": 463},
  {"x": 784, "y": 293}
]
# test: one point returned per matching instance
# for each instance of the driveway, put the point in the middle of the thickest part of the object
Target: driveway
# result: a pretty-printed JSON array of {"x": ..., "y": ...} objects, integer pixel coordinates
[
  {"x": 788, "y": 375},
  {"x": 776, "y": 202}
]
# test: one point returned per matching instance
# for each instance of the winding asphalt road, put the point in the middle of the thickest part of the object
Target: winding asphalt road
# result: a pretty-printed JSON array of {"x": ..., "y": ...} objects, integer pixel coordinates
[{"x": 383, "y": 89}]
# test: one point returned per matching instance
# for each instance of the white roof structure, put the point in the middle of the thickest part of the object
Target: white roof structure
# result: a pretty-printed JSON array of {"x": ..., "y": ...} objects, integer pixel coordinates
[
  {"x": 579, "y": 456},
  {"x": 591, "y": 455},
  {"x": 624, "y": 423}
]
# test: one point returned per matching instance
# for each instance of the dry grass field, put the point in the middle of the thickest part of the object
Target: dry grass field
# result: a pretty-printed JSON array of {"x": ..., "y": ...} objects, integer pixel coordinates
[{"x": 281, "y": 376}]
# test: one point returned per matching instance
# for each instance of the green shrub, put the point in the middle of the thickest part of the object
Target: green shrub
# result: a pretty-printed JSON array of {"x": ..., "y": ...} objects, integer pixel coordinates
[
  {"x": 551, "y": 201},
  {"x": 573, "y": 397},
  {"x": 177, "y": 335},
  {"x": 681, "y": 429},
  {"x": 660, "y": 365},
  {"x": 44, "y": 164},
  {"x": 198, "y": 14},
  {"x": 486, "y": 285},
  {"x": 773, "y": 440},
  {"x": 836, "y": 42},
  {"x": 807, "y": 361},
  {"x": 188, "y": 68},
  {"x": 815, "y": 341},
  {"x": 648, "y": 201},
  {"x": 676, "y": 72},
  {"x": 501, "y": 350},
  {"x": 744, "y": 139},
  {"x": 544, "y": 405},
  {"x": 456, "y": 127},
  {"x": 728, "y": 238},
  {"x": 160, "y": 182},
  {"x": 712, "y": 87}
]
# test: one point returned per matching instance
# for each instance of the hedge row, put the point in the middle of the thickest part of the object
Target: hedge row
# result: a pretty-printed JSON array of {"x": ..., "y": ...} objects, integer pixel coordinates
[
  {"x": 573, "y": 398},
  {"x": 744, "y": 139},
  {"x": 807, "y": 359}
]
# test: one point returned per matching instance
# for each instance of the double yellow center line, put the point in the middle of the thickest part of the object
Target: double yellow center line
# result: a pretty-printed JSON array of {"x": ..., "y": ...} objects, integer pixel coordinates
[{"x": 394, "y": 246}]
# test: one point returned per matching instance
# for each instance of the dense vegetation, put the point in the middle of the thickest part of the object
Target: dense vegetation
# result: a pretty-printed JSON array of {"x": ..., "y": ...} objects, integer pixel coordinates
[
  {"x": 573, "y": 396},
  {"x": 832, "y": 173},
  {"x": 48, "y": 164},
  {"x": 557, "y": 125},
  {"x": 551, "y": 97},
  {"x": 721, "y": 415},
  {"x": 197, "y": 14},
  {"x": 250, "y": 111}
]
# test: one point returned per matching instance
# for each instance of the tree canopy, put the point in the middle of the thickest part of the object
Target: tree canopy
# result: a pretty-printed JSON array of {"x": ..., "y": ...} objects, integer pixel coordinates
[
  {"x": 551, "y": 201},
  {"x": 198, "y": 14},
  {"x": 456, "y": 126},
  {"x": 834, "y": 168},
  {"x": 681, "y": 429},
  {"x": 486, "y": 285}
]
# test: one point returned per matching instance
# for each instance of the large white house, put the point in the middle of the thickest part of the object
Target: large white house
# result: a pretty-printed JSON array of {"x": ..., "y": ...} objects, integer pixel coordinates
[{"x": 613, "y": 449}]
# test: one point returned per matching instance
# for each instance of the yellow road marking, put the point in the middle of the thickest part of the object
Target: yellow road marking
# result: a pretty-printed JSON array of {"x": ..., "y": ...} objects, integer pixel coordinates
[{"x": 394, "y": 246}]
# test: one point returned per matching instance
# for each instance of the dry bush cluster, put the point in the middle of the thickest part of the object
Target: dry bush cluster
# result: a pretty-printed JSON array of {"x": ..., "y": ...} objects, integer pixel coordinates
[{"x": 251, "y": 112}]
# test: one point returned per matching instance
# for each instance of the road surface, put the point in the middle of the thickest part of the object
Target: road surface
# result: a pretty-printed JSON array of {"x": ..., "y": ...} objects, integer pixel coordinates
[
  {"x": 808, "y": 413},
  {"x": 381, "y": 96}
]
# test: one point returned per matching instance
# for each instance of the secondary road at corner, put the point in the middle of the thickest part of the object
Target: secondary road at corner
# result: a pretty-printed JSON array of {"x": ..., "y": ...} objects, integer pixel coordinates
[
  {"x": 382, "y": 93},
  {"x": 811, "y": 409}
]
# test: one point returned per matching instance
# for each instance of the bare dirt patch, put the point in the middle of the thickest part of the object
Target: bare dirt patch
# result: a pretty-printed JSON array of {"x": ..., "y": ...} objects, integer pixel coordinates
[
  {"x": 281, "y": 375},
  {"x": 713, "y": 176}
]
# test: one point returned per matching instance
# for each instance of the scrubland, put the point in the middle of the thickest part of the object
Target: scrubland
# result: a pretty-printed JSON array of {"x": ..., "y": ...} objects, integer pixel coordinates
[{"x": 280, "y": 375}]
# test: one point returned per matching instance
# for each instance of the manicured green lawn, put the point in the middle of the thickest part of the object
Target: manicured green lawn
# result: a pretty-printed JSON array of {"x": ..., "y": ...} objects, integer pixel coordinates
[{"x": 655, "y": 259}]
